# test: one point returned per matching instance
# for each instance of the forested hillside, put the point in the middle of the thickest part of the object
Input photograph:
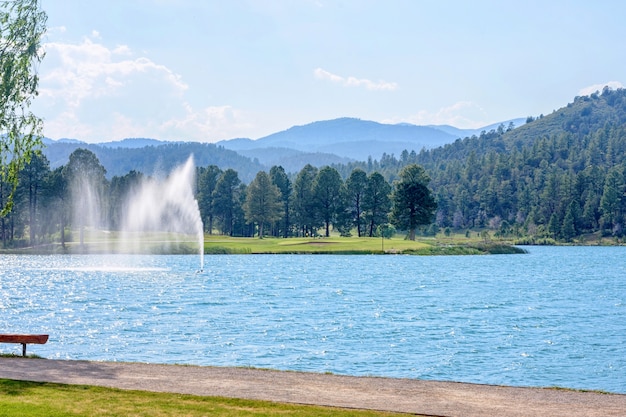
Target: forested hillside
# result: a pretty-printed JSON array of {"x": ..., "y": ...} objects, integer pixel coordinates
[
  {"x": 155, "y": 160},
  {"x": 559, "y": 176}
]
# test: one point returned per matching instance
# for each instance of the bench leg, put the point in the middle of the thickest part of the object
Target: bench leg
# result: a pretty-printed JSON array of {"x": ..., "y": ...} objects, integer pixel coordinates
[{"x": 23, "y": 349}]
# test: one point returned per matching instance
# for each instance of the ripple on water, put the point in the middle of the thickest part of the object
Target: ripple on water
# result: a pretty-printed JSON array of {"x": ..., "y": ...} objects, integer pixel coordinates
[{"x": 487, "y": 319}]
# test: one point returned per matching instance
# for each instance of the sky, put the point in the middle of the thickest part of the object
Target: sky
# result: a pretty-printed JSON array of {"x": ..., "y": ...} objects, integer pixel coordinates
[{"x": 208, "y": 70}]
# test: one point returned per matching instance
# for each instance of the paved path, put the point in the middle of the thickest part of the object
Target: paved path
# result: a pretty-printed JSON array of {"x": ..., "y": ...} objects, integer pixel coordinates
[{"x": 402, "y": 395}]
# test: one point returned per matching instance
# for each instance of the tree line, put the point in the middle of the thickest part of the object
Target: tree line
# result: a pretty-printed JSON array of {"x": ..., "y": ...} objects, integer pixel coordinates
[
  {"x": 50, "y": 203},
  {"x": 559, "y": 177}
]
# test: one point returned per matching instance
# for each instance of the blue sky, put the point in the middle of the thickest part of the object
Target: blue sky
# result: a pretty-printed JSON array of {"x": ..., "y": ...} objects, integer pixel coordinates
[{"x": 205, "y": 70}]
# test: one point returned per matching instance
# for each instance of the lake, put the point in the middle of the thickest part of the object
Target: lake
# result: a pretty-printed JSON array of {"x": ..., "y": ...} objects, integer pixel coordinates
[{"x": 553, "y": 317}]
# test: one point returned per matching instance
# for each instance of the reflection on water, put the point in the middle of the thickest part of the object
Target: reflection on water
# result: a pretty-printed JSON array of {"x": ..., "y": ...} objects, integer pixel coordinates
[{"x": 556, "y": 316}]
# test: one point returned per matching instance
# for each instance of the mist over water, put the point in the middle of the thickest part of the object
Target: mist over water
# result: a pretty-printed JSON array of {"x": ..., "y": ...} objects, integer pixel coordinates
[
  {"x": 159, "y": 215},
  {"x": 167, "y": 205},
  {"x": 87, "y": 205}
]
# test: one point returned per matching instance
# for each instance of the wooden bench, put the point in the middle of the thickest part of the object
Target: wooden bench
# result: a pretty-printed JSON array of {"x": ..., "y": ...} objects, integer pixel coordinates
[{"x": 24, "y": 339}]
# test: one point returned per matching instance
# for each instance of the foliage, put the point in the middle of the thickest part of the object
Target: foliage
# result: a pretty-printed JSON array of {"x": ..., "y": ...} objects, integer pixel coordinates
[
  {"x": 305, "y": 219},
  {"x": 413, "y": 205},
  {"x": 328, "y": 189},
  {"x": 226, "y": 197},
  {"x": 153, "y": 160},
  {"x": 376, "y": 201},
  {"x": 22, "y": 25},
  {"x": 263, "y": 202},
  {"x": 88, "y": 187},
  {"x": 356, "y": 185},
  {"x": 207, "y": 178},
  {"x": 560, "y": 178},
  {"x": 281, "y": 180}
]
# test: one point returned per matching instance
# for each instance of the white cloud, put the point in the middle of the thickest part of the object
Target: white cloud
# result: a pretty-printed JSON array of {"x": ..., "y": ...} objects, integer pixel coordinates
[
  {"x": 463, "y": 115},
  {"x": 351, "y": 81},
  {"x": 95, "y": 93},
  {"x": 213, "y": 122},
  {"x": 598, "y": 87}
]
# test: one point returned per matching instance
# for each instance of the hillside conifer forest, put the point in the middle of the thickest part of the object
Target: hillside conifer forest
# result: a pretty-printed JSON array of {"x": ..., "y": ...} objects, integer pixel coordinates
[{"x": 558, "y": 178}]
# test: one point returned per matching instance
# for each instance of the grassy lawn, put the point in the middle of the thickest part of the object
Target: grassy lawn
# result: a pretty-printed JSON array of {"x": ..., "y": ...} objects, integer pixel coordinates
[
  {"x": 33, "y": 399},
  {"x": 341, "y": 245},
  {"x": 167, "y": 243},
  {"x": 222, "y": 244}
]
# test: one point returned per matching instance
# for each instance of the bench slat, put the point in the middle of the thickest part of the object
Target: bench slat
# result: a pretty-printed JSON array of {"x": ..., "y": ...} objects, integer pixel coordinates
[{"x": 24, "y": 338}]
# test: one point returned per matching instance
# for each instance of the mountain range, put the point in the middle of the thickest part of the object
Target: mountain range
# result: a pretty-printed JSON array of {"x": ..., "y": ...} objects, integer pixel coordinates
[{"x": 319, "y": 143}]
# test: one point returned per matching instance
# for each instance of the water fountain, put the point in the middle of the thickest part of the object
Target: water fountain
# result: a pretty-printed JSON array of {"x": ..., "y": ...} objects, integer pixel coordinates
[
  {"x": 166, "y": 209},
  {"x": 159, "y": 215}
]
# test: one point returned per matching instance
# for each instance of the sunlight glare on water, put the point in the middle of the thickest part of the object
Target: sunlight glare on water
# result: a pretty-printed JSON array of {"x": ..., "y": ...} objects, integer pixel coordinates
[{"x": 556, "y": 316}]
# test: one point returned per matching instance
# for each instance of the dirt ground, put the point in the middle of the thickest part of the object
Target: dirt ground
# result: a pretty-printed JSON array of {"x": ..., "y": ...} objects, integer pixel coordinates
[{"x": 430, "y": 398}]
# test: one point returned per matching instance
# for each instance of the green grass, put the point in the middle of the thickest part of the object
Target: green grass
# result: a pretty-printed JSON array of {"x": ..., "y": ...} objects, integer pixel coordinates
[
  {"x": 34, "y": 399},
  {"x": 167, "y": 243},
  {"x": 330, "y": 245},
  {"x": 341, "y": 245}
]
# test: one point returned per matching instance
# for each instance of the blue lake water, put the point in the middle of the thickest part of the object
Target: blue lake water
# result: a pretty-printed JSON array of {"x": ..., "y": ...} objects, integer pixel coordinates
[{"x": 553, "y": 317}]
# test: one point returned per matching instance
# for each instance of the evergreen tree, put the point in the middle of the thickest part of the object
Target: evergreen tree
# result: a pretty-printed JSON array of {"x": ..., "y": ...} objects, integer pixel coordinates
[
  {"x": 88, "y": 190},
  {"x": 263, "y": 203},
  {"x": 413, "y": 204},
  {"x": 329, "y": 192},
  {"x": 281, "y": 180},
  {"x": 304, "y": 202},
  {"x": 568, "y": 229},
  {"x": 226, "y": 199},
  {"x": 376, "y": 202},
  {"x": 611, "y": 201},
  {"x": 207, "y": 181},
  {"x": 356, "y": 185},
  {"x": 32, "y": 179}
]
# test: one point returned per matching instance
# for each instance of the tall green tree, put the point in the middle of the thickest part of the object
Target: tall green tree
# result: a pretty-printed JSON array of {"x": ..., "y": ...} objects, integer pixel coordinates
[
  {"x": 280, "y": 179},
  {"x": 56, "y": 204},
  {"x": 568, "y": 229},
  {"x": 329, "y": 192},
  {"x": 376, "y": 202},
  {"x": 263, "y": 203},
  {"x": 413, "y": 204},
  {"x": 88, "y": 190},
  {"x": 241, "y": 227},
  {"x": 611, "y": 201},
  {"x": 226, "y": 200},
  {"x": 356, "y": 185},
  {"x": 32, "y": 180},
  {"x": 207, "y": 181},
  {"x": 22, "y": 26},
  {"x": 303, "y": 201}
]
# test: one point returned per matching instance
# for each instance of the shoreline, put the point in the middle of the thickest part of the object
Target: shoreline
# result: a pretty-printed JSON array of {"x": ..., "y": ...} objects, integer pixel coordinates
[{"x": 437, "y": 398}]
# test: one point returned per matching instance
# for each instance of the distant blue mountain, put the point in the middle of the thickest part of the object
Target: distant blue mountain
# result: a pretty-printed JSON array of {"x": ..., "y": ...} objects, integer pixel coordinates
[
  {"x": 318, "y": 143},
  {"x": 355, "y": 138}
]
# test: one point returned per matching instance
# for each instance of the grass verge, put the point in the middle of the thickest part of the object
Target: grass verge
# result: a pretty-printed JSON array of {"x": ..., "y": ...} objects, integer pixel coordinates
[{"x": 34, "y": 399}]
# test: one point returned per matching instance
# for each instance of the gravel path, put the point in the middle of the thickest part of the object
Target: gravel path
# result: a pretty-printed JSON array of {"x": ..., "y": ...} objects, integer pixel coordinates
[{"x": 402, "y": 395}]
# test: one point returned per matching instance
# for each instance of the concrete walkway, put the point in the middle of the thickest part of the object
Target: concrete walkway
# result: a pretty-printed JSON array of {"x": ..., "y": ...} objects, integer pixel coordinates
[{"x": 402, "y": 395}]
